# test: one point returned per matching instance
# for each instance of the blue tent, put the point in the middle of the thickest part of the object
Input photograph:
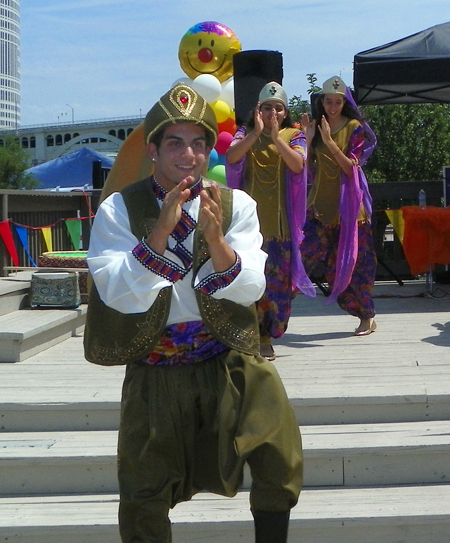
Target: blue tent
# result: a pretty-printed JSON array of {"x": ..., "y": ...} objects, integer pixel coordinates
[{"x": 73, "y": 170}]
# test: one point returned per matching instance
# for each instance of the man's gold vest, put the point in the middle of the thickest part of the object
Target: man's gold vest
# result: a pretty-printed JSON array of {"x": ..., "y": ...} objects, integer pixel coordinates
[{"x": 114, "y": 338}]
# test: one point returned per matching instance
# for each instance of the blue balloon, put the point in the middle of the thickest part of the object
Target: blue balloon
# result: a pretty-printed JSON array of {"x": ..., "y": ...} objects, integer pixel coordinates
[
  {"x": 221, "y": 160},
  {"x": 213, "y": 159}
]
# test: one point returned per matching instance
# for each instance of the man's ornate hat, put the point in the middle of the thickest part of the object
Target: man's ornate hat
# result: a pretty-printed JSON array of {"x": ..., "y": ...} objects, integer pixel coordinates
[{"x": 180, "y": 104}]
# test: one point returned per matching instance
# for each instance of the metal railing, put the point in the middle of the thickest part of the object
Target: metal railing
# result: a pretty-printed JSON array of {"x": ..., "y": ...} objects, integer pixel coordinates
[{"x": 135, "y": 119}]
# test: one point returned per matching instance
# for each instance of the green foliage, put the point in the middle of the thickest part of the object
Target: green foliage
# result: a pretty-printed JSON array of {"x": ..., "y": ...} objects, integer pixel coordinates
[
  {"x": 297, "y": 107},
  {"x": 413, "y": 142},
  {"x": 311, "y": 78},
  {"x": 413, "y": 139},
  {"x": 13, "y": 163}
]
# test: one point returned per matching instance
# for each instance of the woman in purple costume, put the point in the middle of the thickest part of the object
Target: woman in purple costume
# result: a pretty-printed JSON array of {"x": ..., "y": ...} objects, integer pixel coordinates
[
  {"x": 339, "y": 207},
  {"x": 267, "y": 159}
]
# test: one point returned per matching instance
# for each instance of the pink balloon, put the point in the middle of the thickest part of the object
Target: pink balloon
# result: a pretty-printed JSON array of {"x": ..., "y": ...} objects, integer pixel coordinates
[{"x": 223, "y": 142}]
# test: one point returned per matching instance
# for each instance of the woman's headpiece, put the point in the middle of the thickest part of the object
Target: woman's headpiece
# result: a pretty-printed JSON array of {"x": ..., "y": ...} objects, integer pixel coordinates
[
  {"x": 273, "y": 91},
  {"x": 334, "y": 85}
]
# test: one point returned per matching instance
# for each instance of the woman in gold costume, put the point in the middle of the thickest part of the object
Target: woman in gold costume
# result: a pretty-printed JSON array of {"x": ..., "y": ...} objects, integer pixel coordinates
[
  {"x": 337, "y": 231},
  {"x": 267, "y": 160}
]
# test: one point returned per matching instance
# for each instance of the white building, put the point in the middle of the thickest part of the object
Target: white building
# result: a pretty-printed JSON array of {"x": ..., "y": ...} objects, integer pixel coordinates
[
  {"x": 10, "y": 63},
  {"x": 49, "y": 141},
  {"x": 46, "y": 142}
]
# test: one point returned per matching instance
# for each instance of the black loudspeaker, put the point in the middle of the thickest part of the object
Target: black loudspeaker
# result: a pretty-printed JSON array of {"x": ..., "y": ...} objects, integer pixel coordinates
[
  {"x": 99, "y": 174},
  {"x": 252, "y": 70},
  {"x": 313, "y": 99}
]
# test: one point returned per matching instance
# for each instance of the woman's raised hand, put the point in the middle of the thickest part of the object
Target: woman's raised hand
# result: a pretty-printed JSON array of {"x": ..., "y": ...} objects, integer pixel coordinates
[
  {"x": 258, "y": 120},
  {"x": 308, "y": 127},
  {"x": 325, "y": 130},
  {"x": 275, "y": 127}
]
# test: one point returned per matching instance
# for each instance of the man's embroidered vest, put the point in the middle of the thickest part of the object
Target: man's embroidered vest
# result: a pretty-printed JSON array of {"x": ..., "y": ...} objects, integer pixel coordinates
[{"x": 114, "y": 338}]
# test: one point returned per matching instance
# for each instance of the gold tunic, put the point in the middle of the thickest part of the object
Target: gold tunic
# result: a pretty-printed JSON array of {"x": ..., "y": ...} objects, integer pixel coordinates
[
  {"x": 325, "y": 192},
  {"x": 265, "y": 181}
]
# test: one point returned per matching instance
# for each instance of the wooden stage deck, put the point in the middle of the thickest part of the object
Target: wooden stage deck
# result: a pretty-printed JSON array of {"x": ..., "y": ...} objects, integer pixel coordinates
[
  {"x": 407, "y": 359},
  {"x": 374, "y": 413}
]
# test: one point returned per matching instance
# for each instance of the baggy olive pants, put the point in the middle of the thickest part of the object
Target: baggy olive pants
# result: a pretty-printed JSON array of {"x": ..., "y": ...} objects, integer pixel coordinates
[{"x": 185, "y": 429}]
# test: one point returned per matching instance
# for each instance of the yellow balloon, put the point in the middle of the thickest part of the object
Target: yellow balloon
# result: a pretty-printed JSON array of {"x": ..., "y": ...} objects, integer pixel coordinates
[
  {"x": 208, "y": 48},
  {"x": 221, "y": 110}
]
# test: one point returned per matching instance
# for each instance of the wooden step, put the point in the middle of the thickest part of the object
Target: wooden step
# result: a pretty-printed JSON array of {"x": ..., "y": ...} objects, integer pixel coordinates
[
  {"x": 25, "y": 407},
  {"x": 337, "y": 456},
  {"x": 400, "y": 374},
  {"x": 58, "y": 390},
  {"x": 412, "y": 514},
  {"x": 359, "y": 455},
  {"x": 13, "y": 295},
  {"x": 69, "y": 402},
  {"x": 27, "y": 332}
]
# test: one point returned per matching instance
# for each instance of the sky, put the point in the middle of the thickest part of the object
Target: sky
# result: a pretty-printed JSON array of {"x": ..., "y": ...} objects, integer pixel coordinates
[{"x": 98, "y": 59}]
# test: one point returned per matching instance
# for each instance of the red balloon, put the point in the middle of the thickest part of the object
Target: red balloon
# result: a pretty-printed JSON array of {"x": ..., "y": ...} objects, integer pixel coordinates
[
  {"x": 223, "y": 142},
  {"x": 228, "y": 126}
]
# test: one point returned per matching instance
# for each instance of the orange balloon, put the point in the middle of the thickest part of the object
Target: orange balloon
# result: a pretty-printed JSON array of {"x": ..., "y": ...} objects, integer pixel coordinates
[{"x": 228, "y": 126}]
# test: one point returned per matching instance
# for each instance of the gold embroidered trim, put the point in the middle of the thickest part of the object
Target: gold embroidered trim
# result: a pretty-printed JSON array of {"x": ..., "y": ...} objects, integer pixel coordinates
[
  {"x": 220, "y": 324},
  {"x": 148, "y": 331},
  {"x": 183, "y": 99}
]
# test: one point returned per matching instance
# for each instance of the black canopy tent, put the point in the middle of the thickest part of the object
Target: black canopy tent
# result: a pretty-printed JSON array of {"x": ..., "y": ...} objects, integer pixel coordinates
[{"x": 412, "y": 70}]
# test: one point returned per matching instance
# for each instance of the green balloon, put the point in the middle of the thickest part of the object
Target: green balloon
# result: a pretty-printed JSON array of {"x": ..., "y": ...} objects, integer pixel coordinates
[{"x": 217, "y": 173}]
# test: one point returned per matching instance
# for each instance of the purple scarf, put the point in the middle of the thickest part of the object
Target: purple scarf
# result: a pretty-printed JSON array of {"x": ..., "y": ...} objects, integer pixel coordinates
[
  {"x": 354, "y": 190},
  {"x": 296, "y": 212}
]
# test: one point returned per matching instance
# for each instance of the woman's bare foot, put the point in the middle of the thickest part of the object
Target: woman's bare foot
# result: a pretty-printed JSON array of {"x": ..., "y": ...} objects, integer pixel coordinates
[
  {"x": 366, "y": 327},
  {"x": 267, "y": 352}
]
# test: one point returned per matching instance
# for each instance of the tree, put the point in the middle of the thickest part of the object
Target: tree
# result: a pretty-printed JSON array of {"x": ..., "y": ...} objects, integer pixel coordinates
[
  {"x": 13, "y": 163},
  {"x": 313, "y": 88},
  {"x": 413, "y": 142},
  {"x": 297, "y": 107},
  {"x": 413, "y": 139}
]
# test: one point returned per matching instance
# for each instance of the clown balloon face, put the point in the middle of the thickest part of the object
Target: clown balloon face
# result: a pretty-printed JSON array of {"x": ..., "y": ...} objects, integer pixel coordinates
[{"x": 208, "y": 48}]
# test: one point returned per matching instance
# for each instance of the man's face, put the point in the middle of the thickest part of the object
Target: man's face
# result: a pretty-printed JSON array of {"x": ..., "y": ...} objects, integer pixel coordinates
[{"x": 182, "y": 153}]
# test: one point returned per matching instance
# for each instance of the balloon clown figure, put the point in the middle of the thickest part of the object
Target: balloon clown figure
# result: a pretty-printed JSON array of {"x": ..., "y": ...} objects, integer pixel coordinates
[
  {"x": 206, "y": 57},
  {"x": 208, "y": 48}
]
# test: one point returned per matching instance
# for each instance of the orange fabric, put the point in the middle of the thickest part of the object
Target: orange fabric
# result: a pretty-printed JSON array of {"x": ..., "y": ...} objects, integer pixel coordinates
[
  {"x": 427, "y": 237},
  {"x": 132, "y": 164}
]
